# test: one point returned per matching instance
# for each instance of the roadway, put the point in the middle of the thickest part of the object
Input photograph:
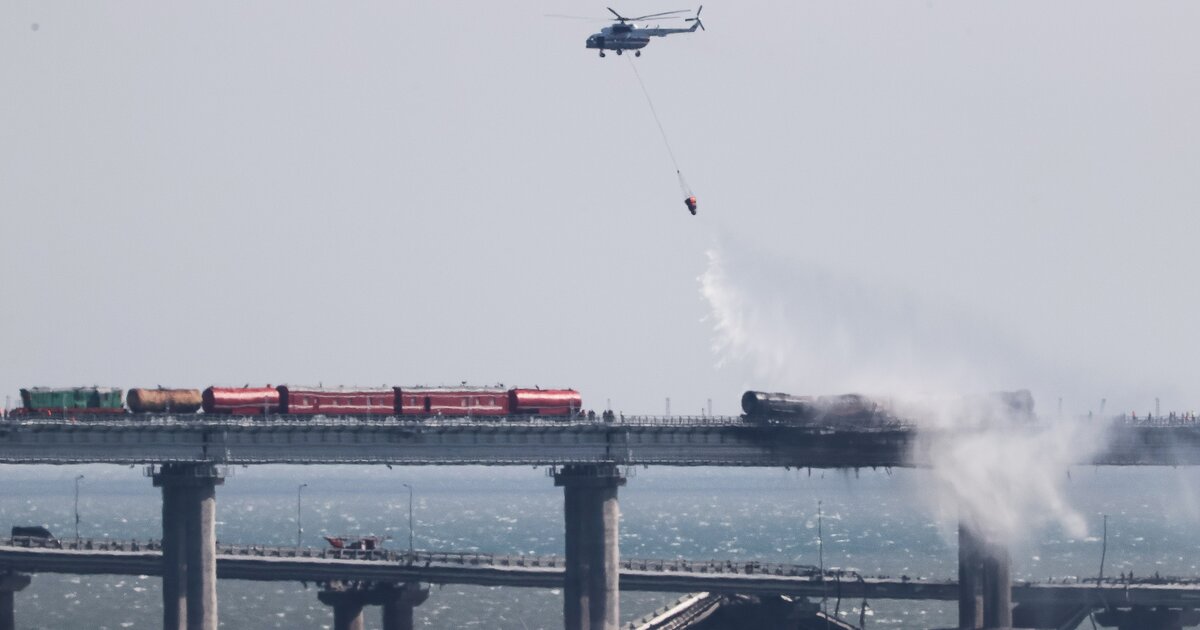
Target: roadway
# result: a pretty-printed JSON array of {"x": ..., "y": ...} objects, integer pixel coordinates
[
  {"x": 707, "y": 441},
  {"x": 266, "y": 563}
]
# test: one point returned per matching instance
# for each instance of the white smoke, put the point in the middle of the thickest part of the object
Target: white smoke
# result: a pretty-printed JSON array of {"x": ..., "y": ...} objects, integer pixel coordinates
[{"x": 809, "y": 331}]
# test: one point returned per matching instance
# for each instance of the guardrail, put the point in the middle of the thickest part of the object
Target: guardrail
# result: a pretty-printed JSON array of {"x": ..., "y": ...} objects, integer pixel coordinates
[
  {"x": 291, "y": 420},
  {"x": 441, "y": 558},
  {"x": 802, "y": 575},
  {"x": 1171, "y": 419}
]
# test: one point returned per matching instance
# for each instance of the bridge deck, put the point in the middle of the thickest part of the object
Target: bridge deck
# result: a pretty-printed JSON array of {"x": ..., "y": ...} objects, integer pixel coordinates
[
  {"x": 267, "y": 563},
  {"x": 661, "y": 441}
]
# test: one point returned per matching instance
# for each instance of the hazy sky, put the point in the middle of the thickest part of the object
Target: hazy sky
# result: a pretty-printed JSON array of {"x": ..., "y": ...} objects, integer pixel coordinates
[{"x": 430, "y": 192}]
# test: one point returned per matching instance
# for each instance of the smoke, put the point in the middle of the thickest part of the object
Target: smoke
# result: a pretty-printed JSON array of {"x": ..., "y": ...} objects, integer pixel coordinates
[
  {"x": 806, "y": 330},
  {"x": 810, "y": 328}
]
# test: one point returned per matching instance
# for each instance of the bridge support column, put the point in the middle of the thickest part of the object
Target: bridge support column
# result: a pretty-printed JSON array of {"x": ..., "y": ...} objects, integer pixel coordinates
[
  {"x": 348, "y": 599},
  {"x": 591, "y": 588},
  {"x": 189, "y": 544},
  {"x": 347, "y": 608},
  {"x": 983, "y": 567},
  {"x": 997, "y": 587},
  {"x": 398, "y": 607},
  {"x": 174, "y": 581},
  {"x": 970, "y": 607},
  {"x": 10, "y": 583}
]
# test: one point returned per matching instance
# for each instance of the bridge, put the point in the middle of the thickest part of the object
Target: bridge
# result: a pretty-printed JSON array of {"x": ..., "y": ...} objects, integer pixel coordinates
[
  {"x": 642, "y": 440},
  {"x": 187, "y": 456},
  {"x": 328, "y": 565}
]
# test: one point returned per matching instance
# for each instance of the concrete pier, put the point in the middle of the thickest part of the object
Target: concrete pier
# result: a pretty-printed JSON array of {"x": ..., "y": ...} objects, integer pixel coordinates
[
  {"x": 398, "y": 605},
  {"x": 348, "y": 599},
  {"x": 189, "y": 545},
  {"x": 347, "y": 607},
  {"x": 984, "y": 582},
  {"x": 970, "y": 605},
  {"x": 997, "y": 587},
  {"x": 174, "y": 583},
  {"x": 592, "y": 515},
  {"x": 10, "y": 583}
]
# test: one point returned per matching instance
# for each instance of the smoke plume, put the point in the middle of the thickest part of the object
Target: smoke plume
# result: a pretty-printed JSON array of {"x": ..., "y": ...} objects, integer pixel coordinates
[{"x": 807, "y": 330}]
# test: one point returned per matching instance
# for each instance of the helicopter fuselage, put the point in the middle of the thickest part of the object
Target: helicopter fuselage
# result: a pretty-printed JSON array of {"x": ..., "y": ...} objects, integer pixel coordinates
[
  {"x": 619, "y": 37},
  {"x": 626, "y": 35}
]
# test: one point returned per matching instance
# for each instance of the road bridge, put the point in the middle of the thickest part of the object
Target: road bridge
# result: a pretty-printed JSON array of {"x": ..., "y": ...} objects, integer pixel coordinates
[{"x": 307, "y": 564}]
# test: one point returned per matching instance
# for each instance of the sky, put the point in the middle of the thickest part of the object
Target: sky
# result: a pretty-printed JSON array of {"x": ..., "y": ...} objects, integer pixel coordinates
[{"x": 892, "y": 194}]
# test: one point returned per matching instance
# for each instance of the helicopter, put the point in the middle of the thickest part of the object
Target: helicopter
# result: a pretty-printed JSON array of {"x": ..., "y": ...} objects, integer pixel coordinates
[{"x": 626, "y": 35}]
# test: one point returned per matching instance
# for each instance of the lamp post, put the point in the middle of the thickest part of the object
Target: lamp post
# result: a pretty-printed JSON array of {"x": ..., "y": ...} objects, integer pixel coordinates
[
  {"x": 410, "y": 518},
  {"x": 77, "y": 478},
  {"x": 299, "y": 529}
]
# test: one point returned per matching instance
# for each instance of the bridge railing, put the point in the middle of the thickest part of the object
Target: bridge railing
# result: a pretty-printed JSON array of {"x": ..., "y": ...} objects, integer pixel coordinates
[
  {"x": 460, "y": 558},
  {"x": 1172, "y": 419},
  {"x": 280, "y": 420},
  {"x": 82, "y": 544},
  {"x": 424, "y": 559}
]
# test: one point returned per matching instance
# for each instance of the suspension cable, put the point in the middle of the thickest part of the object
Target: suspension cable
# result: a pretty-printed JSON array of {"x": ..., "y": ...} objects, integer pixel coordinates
[{"x": 654, "y": 112}]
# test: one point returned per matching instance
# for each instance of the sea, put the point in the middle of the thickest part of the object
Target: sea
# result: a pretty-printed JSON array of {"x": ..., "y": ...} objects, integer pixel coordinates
[{"x": 873, "y": 521}]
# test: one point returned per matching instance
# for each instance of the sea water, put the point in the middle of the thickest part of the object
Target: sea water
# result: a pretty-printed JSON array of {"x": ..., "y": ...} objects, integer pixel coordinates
[{"x": 877, "y": 522}]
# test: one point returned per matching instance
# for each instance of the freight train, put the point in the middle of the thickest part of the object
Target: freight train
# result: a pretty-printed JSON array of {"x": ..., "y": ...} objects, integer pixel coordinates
[{"x": 411, "y": 402}]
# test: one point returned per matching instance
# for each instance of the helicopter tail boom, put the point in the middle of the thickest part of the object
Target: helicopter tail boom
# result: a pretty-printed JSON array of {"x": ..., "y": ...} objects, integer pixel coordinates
[{"x": 697, "y": 21}]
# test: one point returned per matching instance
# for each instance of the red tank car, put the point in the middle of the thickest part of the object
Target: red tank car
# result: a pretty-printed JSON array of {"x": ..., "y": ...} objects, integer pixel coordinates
[
  {"x": 339, "y": 401},
  {"x": 545, "y": 402},
  {"x": 241, "y": 401},
  {"x": 451, "y": 401},
  {"x": 411, "y": 401},
  {"x": 467, "y": 401}
]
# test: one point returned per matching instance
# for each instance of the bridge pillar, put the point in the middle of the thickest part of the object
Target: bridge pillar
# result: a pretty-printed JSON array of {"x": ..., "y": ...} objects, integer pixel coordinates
[
  {"x": 174, "y": 581},
  {"x": 983, "y": 567},
  {"x": 10, "y": 583},
  {"x": 189, "y": 544},
  {"x": 348, "y": 599},
  {"x": 997, "y": 587},
  {"x": 970, "y": 607},
  {"x": 347, "y": 608},
  {"x": 398, "y": 608},
  {"x": 591, "y": 587}
]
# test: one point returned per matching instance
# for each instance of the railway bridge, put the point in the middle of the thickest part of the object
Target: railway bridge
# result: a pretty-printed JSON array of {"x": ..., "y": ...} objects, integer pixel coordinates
[{"x": 187, "y": 458}]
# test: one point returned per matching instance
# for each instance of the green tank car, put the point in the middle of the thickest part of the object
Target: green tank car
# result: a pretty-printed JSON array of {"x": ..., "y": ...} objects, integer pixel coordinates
[{"x": 57, "y": 398}]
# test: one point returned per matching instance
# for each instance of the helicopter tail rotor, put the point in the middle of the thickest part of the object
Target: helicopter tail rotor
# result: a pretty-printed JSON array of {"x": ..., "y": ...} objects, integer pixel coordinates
[{"x": 697, "y": 19}]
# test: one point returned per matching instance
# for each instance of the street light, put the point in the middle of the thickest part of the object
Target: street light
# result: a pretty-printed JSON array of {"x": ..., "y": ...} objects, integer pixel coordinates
[
  {"x": 410, "y": 518},
  {"x": 77, "y": 478},
  {"x": 299, "y": 529}
]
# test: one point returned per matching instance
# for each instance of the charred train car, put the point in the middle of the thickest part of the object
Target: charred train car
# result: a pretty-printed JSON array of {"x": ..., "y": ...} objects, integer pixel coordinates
[
  {"x": 857, "y": 410},
  {"x": 841, "y": 410}
]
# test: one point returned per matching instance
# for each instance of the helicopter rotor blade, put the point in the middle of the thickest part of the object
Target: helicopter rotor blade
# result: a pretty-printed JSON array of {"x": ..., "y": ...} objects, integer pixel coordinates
[
  {"x": 654, "y": 15},
  {"x": 619, "y": 16},
  {"x": 574, "y": 17}
]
